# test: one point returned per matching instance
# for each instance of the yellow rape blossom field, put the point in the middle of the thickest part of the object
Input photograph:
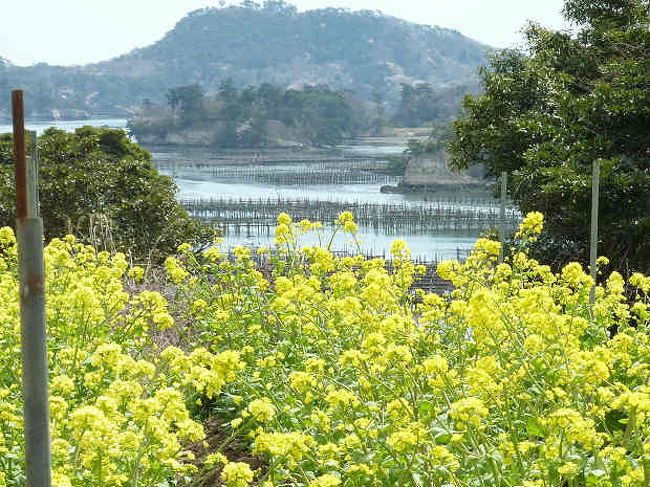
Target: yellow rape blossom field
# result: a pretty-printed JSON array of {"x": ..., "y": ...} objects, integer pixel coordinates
[{"x": 332, "y": 372}]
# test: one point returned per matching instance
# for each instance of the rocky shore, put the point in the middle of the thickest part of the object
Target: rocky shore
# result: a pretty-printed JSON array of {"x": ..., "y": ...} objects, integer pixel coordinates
[{"x": 430, "y": 173}]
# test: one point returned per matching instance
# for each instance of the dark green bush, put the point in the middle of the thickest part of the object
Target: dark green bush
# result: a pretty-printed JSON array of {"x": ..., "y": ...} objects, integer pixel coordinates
[
  {"x": 99, "y": 185},
  {"x": 546, "y": 115}
]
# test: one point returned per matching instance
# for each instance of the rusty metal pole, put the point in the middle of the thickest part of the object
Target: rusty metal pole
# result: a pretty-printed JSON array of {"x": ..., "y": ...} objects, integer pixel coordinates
[{"x": 29, "y": 232}]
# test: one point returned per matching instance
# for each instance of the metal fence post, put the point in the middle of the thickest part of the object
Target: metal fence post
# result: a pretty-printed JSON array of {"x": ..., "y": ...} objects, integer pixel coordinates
[
  {"x": 29, "y": 232},
  {"x": 502, "y": 213},
  {"x": 593, "y": 240},
  {"x": 32, "y": 177}
]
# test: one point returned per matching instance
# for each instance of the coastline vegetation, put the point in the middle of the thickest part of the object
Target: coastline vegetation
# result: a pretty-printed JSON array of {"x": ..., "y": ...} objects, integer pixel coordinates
[{"x": 258, "y": 116}]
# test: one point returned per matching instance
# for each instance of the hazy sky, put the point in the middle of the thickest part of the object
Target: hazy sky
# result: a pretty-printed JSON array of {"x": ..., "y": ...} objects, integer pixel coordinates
[{"x": 82, "y": 31}]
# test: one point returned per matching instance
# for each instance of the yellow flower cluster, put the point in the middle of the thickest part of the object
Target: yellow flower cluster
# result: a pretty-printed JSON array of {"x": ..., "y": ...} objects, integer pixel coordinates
[
  {"x": 334, "y": 373},
  {"x": 512, "y": 379},
  {"x": 237, "y": 474},
  {"x": 118, "y": 412}
]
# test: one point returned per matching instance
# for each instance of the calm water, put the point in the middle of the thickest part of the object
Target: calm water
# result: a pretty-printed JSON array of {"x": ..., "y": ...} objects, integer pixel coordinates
[{"x": 204, "y": 174}]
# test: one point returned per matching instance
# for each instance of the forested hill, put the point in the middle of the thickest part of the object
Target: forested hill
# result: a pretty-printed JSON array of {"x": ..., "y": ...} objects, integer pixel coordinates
[{"x": 367, "y": 52}]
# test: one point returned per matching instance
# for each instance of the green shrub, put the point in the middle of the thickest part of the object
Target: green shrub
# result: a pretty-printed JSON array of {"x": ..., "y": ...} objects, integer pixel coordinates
[{"x": 98, "y": 184}]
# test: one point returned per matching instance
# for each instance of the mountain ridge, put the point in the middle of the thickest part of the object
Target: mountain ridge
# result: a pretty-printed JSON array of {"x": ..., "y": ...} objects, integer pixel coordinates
[{"x": 363, "y": 51}]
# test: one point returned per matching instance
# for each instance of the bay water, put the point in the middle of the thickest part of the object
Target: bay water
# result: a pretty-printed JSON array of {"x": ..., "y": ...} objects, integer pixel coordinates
[{"x": 204, "y": 174}]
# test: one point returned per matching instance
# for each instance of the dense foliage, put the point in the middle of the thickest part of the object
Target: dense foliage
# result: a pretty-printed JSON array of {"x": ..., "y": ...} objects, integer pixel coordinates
[
  {"x": 435, "y": 143},
  {"x": 366, "y": 52},
  {"x": 422, "y": 104},
  {"x": 102, "y": 186},
  {"x": 546, "y": 117},
  {"x": 260, "y": 116},
  {"x": 340, "y": 377}
]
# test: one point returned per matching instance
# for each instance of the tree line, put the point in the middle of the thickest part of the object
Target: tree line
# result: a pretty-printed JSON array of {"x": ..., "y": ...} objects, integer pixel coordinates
[
  {"x": 312, "y": 115},
  {"x": 422, "y": 104},
  {"x": 545, "y": 115}
]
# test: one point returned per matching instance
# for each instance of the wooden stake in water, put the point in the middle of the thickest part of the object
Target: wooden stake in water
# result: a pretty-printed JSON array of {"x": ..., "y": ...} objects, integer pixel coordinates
[
  {"x": 29, "y": 232},
  {"x": 593, "y": 240}
]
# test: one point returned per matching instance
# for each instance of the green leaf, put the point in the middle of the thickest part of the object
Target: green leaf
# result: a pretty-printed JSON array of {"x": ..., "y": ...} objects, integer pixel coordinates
[{"x": 535, "y": 428}]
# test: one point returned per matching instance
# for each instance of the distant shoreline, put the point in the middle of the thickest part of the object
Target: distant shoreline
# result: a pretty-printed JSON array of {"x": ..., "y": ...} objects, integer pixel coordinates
[{"x": 69, "y": 125}]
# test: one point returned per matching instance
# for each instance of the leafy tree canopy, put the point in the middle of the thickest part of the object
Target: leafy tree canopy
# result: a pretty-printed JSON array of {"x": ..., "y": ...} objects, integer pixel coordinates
[
  {"x": 98, "y": 184},
  {"x": 436, "y": 142},
  {"x": 188, "y": 99},
  {"x": 422, "y": 103},
  {"x": 546, "y": 116}
]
